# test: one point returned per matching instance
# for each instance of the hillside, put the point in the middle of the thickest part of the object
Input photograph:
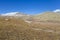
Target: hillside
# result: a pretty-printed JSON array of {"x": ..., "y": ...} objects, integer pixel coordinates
[
  {"x": 17, "y": 29},
  {"x": 12, "y": 28},
  {"x": 48, "y": 17}
]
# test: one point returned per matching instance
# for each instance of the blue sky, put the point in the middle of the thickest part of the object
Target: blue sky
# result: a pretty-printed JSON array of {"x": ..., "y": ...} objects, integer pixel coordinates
[{"x": 28, "y": 6}]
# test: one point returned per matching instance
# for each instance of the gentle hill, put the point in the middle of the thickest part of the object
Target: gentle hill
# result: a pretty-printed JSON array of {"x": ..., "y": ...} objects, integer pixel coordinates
[{"x": 47, "y": 16}]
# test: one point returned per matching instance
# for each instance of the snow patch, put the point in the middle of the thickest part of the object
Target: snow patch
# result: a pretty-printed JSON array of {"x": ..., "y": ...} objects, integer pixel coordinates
[{"x": 9, "y": 14}]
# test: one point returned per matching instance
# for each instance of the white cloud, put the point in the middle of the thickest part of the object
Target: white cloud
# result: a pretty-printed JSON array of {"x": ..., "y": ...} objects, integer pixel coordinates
[{"x": 57, "y": 10}]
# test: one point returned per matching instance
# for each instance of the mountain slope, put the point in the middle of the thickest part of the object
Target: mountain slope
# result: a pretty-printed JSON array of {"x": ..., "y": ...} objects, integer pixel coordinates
[
  {"x": 16, "y": 15},
  {"x": 47, "y": 16},
  {"x": 17, "y": 29},
  {"x": 12, "y": 28}
]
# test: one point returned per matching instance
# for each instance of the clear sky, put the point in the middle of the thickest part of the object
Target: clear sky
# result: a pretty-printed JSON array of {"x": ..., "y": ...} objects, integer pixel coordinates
[{"x": 28, "y": 6}]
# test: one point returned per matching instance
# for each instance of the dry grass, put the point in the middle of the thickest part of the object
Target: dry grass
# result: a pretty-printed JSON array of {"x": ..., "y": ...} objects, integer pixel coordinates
[
  {"x": 47, "y": 16},
  {"x": 17, "y": 29},
  {"x": 45, "y": 28}
]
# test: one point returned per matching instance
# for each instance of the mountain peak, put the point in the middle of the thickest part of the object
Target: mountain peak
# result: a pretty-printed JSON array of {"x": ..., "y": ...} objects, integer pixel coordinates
[
  {"x": 14, "y": 14},
  {"x": 10, "y": 14}
]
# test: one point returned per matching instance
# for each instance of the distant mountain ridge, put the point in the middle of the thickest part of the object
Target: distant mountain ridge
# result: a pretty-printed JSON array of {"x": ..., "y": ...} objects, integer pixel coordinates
[
  {"x": 45, "y": 16},
  {"x": 14, "y": 14}
]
